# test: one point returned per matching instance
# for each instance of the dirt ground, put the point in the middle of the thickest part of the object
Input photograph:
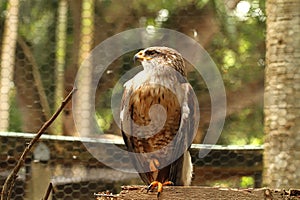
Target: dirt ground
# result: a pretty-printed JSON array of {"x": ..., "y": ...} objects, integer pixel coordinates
[{"x": 204, "y": 193}]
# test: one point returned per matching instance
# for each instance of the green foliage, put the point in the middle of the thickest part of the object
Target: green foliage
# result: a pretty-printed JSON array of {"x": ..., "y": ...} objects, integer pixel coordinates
[
  {"x": 104, "y": 118},
  {"x": 245, "y": 127},
  {"x": 156, "y": 5},
  {"x": 235, "y": 182},
  {"x": 238, "y": 49},
  {"x": 15, "y": 120},
  {"x": 247, "y": 181},
  {"x": 37, "y": 26},
  {"x": 239, "y": 46}
]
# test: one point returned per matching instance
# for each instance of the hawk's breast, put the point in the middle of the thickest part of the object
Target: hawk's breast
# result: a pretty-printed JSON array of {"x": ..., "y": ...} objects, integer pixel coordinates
[{"x": 156, "y": 108}]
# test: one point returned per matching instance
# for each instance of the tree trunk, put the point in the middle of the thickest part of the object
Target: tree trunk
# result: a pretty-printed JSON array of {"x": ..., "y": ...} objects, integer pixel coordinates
[
  {"x": 282, "y": 94},
  {"x": 8, "y": 61},
  {"x": 83, "y": 96},
  {"x": 61, "y": 34}
]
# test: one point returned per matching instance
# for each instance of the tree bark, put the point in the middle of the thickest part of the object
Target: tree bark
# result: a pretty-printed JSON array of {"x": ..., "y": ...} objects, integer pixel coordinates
[
  {"x": 84, "y": 101},
  {"x": 61, "y": 42},
  {"x": 282, "y": 94}
]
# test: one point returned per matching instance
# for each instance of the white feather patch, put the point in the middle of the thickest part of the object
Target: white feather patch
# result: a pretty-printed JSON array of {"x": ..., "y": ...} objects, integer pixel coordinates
[
  {"x": 122, "y": 115},
  {"x": 187, "y": 169}
]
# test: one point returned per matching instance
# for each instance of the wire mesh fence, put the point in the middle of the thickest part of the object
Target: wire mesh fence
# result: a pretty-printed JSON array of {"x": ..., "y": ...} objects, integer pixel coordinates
[
  {"x": 76, "y": 174},
  {"x": 44, "y": 44}
]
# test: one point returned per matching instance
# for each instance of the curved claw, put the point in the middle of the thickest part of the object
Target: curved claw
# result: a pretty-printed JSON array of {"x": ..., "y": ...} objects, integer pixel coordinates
[
  {"x": 159, "y": 186},
  {"x": 152, "y": 185},
  {"x": 159, "y": 189}
]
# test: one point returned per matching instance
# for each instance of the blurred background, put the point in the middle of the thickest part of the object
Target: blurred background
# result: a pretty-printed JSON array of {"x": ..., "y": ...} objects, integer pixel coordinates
[{"x": 46, "y": 42}]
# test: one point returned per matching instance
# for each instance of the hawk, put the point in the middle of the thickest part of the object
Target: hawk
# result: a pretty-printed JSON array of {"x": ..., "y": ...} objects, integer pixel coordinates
[{"x": 159, "y": 118}]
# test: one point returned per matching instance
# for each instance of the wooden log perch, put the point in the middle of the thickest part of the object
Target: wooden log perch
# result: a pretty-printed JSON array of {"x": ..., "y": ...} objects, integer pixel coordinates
[{"x": 199, "y": 192}]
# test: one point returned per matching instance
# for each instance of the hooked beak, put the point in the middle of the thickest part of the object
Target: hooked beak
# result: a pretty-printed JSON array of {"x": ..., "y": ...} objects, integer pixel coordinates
[{"x": 140, "y": 56}]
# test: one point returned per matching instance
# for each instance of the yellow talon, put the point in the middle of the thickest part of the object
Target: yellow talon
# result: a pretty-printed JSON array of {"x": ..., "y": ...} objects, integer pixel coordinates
[
  {"x": 159, "y": 189},
  {"x": 159, "y": 186}
]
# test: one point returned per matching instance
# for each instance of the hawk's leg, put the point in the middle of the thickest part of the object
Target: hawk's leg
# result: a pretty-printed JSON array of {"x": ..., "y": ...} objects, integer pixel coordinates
[{"x": 159, "y": 186}]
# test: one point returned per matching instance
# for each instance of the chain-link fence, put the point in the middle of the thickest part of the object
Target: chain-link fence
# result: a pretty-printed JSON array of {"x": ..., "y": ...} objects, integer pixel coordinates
[{"x": 44, "y": 44}]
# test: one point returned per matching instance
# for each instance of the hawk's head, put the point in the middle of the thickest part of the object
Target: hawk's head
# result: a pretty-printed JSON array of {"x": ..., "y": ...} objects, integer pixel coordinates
[{"x": 154, "y": 57}]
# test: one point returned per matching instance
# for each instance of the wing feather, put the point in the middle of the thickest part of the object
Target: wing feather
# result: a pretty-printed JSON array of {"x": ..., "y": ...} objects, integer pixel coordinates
[
  {"x": 189, "y": 120},
  {"x": 188, "y": 128},
  {"x": 137, "y": 159}
]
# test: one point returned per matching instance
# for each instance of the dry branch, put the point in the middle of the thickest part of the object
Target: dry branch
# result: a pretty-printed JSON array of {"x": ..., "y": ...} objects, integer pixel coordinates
[
  {"x": 49, "y": 189},
  {"x": 9, "y": 182}
]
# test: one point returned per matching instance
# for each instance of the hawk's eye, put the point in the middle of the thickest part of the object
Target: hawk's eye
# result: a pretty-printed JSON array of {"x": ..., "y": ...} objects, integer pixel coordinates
[{"x": 151, "y": 52}]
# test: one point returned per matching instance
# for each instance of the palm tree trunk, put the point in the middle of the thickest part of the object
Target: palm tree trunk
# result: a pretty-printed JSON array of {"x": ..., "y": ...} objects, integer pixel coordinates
[
  {"x": 8, "y": 61},
  {"x": 282, "y": 95},
  {"x": 61, "y": 41}
]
